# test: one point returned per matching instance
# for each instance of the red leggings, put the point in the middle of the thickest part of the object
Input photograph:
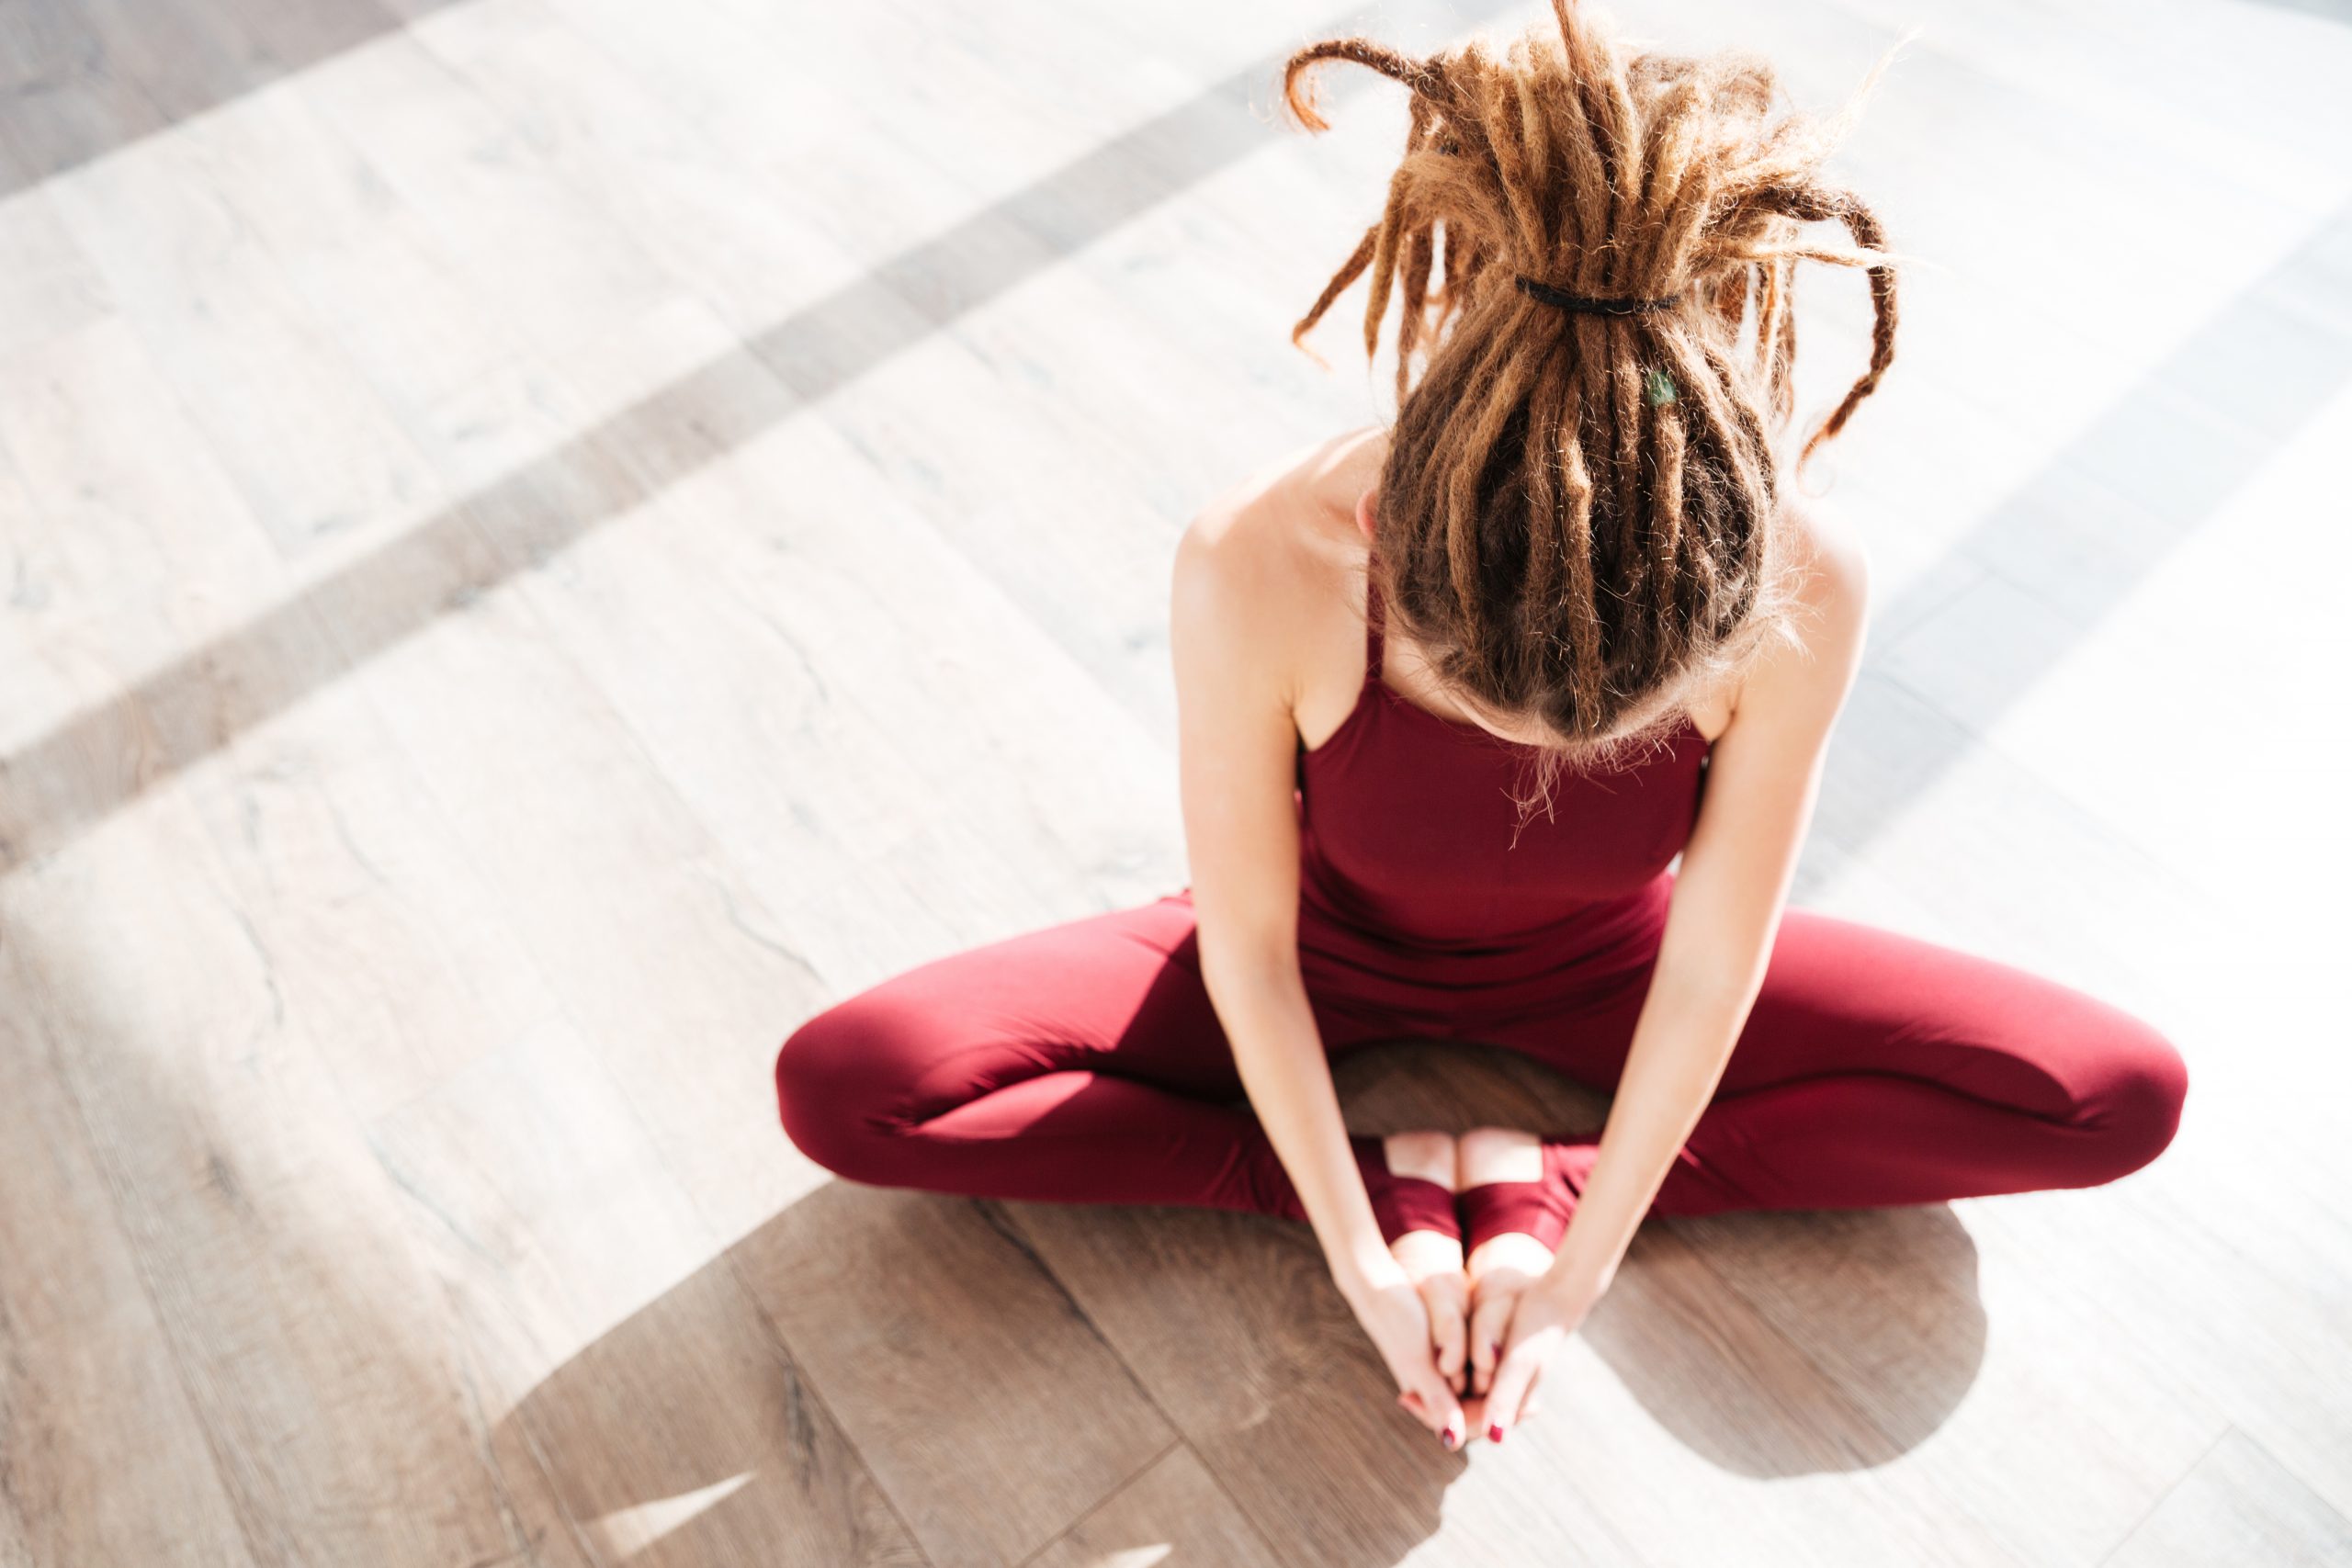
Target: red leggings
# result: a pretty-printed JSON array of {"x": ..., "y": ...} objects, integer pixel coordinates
[{"x": 1084, "y": 1063}]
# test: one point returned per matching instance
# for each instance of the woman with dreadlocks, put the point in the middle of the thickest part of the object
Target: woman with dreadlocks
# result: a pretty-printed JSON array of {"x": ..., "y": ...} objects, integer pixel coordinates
[{"x": 1573, "y": 563}]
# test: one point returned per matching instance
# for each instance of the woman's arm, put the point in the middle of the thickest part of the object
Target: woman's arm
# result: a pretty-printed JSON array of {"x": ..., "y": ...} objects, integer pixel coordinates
[
  {"x": 1762, "y": 783},
  {"x": 1233, "y": 623},
  {"x": 1237, "y": 742}
]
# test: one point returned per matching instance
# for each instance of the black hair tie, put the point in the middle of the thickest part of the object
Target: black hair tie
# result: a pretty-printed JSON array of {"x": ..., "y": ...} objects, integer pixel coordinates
[{"x": 1563, "y": 299}]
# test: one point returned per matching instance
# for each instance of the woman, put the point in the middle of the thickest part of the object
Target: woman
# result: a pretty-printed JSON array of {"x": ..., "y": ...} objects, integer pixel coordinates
[{"x": 1593, "y": 633}]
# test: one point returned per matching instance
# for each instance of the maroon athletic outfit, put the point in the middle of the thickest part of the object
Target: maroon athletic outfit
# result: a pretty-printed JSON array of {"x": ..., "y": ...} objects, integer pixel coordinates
[{"x": 1085, "y": 1061}]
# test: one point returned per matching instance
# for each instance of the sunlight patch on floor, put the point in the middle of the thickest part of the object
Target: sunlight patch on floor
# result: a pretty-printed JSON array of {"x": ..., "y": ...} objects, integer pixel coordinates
[{"x": 625, "y": 1531}]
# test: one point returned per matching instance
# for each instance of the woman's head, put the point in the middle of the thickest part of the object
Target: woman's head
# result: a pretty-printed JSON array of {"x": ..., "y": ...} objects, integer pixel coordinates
[{"x": 1578, "y": 519}]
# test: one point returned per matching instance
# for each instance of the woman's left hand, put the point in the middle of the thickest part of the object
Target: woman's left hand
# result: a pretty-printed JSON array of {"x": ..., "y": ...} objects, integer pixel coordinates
[{"x": 1544, "y": 1315}]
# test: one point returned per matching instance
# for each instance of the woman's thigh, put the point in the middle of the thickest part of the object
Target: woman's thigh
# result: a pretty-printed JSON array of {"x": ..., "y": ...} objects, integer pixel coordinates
[
  {"x": 1118, "y": 993},
  {"x": 1843, "y": 996},
  {"x": 1840, "y": 997}
]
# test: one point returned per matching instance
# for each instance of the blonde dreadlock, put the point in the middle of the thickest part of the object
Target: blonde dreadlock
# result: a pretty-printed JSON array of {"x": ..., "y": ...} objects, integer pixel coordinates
[{"x": 1576, "y": 518}]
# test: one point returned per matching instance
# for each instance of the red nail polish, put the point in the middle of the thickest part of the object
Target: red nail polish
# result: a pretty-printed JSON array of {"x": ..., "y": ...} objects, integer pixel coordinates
[
  {"x": 1495, "y": 1433},
  {"x": 1451, "y": 1439}
]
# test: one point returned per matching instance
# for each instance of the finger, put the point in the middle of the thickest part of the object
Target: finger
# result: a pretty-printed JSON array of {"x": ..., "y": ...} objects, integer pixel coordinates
[
  {"x": 1450, "y": 1337},
  {"x": 1514, "y": 1378},
  {"x": 1448, "y": 1424},
  {"x": 1531, "y": 1401},
  {"x": 1489, "y": 1329},
  {"x": 1417, "y": 1405}
]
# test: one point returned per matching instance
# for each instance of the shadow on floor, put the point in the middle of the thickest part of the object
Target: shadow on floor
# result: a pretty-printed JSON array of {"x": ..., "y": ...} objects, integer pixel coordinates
[
  {"x": 971, "y": 1350},
  {"x": 51, "y": 790},
  {"x": 80, "y": 80},
  {"x": 869, "y": 1373}
]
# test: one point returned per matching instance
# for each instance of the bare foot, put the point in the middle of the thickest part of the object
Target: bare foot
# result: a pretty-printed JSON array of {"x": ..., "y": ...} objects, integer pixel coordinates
[
  {"x": 1431, "y": 1260},
  {"x": 1505, "y": 1264}
]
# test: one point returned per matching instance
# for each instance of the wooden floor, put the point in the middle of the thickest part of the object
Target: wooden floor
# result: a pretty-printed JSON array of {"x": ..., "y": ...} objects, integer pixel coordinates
[{"x": 542, "y": 541}]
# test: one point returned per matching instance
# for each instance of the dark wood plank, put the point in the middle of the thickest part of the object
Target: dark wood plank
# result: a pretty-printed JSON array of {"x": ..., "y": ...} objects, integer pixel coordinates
[
  {"x": 979, "y": 1393},
  {"x": 1174, "y": 1513}
]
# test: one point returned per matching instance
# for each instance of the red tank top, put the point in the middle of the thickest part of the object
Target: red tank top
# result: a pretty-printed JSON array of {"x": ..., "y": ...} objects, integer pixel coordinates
[{"x": 1425, "y": 882}]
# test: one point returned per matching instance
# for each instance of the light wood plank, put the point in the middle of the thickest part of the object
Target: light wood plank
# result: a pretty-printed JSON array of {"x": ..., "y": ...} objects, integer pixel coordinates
[
  {"x": 47, "y": 285},
  {"x": 105, "y": 1458},
  {"x": 308, "y": 443},
  {"x": 2238, "y": 1504},
  {"x": 302, "y": 1330},
  {"x": 626, "y": 1359},
  {"x": 2023, "y": 1400},
  {"x": 311, "y": 1350}
]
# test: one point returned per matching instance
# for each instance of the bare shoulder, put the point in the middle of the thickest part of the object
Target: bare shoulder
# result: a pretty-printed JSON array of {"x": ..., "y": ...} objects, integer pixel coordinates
[
  {"x": 1260, "y": 572},
  {"x": 1807, "y": 679},
  {"x": 1292, "y": 512},
  {"x": 1836, "y": 566}
]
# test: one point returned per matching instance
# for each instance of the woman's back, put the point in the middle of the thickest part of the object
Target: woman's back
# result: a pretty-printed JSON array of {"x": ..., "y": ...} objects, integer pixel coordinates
[
  {"x": 1412, "y": 826},
  {"x": 1437, "y": 871}
]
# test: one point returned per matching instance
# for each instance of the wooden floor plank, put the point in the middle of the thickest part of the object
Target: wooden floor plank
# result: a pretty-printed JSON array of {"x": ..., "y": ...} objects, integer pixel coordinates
[
  {"x": 2238, "y": 1504},
  {"x": 629, "y": 1364},
  {"x": 980, "y": 1394},
  {"x": 1948, "y": 1340},
  {"x": 431, "y": 1017},
  {"x": 105, "y": 1460},
  {"x": 1669, "y": 1364},
  {"x": 311, "y": 1349},
  {"x": 1172, "y": 1513},
  {"x": 264, "y": 1230}
]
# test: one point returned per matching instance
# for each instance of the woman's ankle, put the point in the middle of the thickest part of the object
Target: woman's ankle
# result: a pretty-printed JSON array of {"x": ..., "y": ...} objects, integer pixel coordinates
[
  {"x": 1510, "y": 1251},
  {"x": 1509, "y": 1195},
  {"x": 1410, "y": 1178},
  {"x": 1484, "y": 1155},
  {"x": 1427, "y": 1254},
  {"x": 1422, "y": 1156}
]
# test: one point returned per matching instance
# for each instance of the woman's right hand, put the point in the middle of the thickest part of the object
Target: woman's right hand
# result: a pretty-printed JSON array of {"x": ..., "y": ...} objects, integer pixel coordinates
[{"x": 1394, "y": 1313}]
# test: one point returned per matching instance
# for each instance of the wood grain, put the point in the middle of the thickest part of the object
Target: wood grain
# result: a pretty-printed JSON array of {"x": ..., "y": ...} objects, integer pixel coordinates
[
  {"x": 1172, "y": 1513},
  {"x": 982, "y": 1397},
  {"x": 2238, "y": 1504},
  {"x": 541, "y": 543}
]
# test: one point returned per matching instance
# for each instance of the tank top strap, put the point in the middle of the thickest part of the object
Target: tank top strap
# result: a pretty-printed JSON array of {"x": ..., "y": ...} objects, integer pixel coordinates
[{"x": 1372, "y": 637}]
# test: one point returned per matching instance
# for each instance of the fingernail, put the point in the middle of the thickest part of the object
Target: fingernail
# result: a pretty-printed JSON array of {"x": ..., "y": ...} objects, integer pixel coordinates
[
  {"x": 1495, "y": 1433},
  {"x": 1450, "y": 1438}
]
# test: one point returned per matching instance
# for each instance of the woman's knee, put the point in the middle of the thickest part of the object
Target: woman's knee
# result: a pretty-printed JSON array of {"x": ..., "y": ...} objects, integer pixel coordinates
[
  {"x": 835, "y": 1083},
  {"x": 2144, "y": 1084}
]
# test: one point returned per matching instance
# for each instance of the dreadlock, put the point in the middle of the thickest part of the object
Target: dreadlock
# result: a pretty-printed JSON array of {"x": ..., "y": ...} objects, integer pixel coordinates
[{"x": 1575, "y": 519}]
